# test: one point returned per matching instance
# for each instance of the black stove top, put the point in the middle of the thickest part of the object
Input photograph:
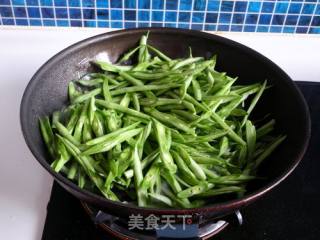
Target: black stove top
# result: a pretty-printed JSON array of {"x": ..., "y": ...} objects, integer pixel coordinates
[{"x": 290, "y": 211}]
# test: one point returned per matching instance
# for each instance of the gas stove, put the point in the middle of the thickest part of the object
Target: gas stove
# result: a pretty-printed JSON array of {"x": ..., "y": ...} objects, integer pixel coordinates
[{"x": 290, "y": 211}]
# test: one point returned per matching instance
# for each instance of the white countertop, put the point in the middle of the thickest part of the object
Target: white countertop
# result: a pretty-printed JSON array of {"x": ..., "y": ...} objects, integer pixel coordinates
[{"x": 24, "y": 185}]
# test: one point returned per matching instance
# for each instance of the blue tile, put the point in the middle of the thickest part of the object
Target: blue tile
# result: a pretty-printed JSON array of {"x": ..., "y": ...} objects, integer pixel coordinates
[
  {"x": 143, "y": 24},
  {"x": 75, "y": 13},
  {"x": 156, "y": 24},
  {"x": 19, "y": 12},
  {"x": 5, "y": 2},
  {"x": 240, "y": 6},
  {"x": 115, "y": 3},
  {"x": 262, "y": 29},
  {"x": 213, "y": 5},
  {"x": 211, "y": 17},
  {"x": 199, "y": 5},
  {"x": 49, "y": 23},
  {"x": 184, "y": 16},
  {"x": 129, "y": 4},
  {"x": 308, "y": 8},
  {"x": 281, "y": 7},
  {"x": 288, "y": 29},
  {"x": 35, "y": 22},
  {"x": 6, "y": 12},
  {"x": 226, "y": 6},
  {"x": 197, "y": 17},
  {"x": 157, "y": 16},
  {"x": 185, "y": 4},
  {"x": 275, "y": 29},
  {"x": 130, "y": 15},
  {"x": 74, "y": 3},
  {"x": 87, "y": 3},
  {"x": 314, "y": 30},
  {"x": 60, "y": 3},
  {"x": 295, "y": 8},
  {"x": 157, "y": 4},
  {"x": 144, "y": 4},
  {"x": 251, "y": 18},
  {"x": 265, "y": 19},
  {"x": 225, "y": 18},
  {"x": 102, "y": 3},
  {"x": 61, "y": 12},
  {"x": 143, "y": 15},
  {"x": 33, "y": 12},
  {"x": 32, "y": 2},
  {"x": 170, "y": 25},
  {"x": 46, "y": 3},
  {"x": 88, "y": 13},
  {"x": 17, "y": 2},
  {"x": 238, "y": 18},
  {"x": 291, "y": 20},
  {"x": 254, "y": 6},
  {"x": 249, "y": 28},
  {"x": 236, "y": 28},
  {"x": 129, "y": 25},
  {"x": 8, "y": 21},
  {"x": 304, "y": 20},
  {"x": 317, "y": 12},
  {"x": 22, "y": 22},
  {"x": 197, "y": 26},
  {"x": 171, "y": 17},
  {"x": 76, "y": 23},
  {"x": 210, "y": 27},
  {"x": 223, "y": 27},
  {"x": 267, "y": 7},
  {"x": 116, "y": 14},
  {"x": 316, "y": 21},
  {"x": 183, "y": 25},
  {"x": 301, "y": 30},
  {"x": 171, "y": 4},
  {"x": 89, "y": 23},
  {"x": 103, "y": 24},
  {"x": 63, "y": 23},
  {"x": 102, "y": 14},
  {"x": 278, "y": 19}
]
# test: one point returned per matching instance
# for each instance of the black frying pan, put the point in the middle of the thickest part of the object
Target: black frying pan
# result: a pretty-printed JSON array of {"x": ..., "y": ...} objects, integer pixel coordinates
[{"x": 47, "y": 91}]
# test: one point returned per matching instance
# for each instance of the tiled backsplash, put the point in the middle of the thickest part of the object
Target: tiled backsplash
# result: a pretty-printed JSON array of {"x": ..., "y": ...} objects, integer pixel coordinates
[{"x": 295, "y": 16}]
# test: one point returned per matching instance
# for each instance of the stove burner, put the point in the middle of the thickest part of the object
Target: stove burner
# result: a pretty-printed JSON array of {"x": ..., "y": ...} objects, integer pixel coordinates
[{"x": 119, "y": 227}]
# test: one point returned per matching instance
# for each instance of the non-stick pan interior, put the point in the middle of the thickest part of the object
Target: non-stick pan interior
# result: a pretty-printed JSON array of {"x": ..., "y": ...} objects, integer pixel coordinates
[{"x": 48, "y": 89}]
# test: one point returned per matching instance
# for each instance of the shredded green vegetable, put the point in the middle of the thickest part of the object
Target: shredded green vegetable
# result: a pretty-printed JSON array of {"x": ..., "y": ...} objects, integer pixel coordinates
[{"x": 160, "y": 132}]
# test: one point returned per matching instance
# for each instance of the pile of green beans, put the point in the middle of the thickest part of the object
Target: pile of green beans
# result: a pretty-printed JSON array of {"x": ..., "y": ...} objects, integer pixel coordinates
[{"x": 159, "y": 132}]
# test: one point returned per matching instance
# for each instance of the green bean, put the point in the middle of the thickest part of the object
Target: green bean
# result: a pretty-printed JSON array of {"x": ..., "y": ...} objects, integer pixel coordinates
[
  {"x": 122, "y": 109},
  {"x": 169, "y": 119},
  {"x": 266, "y": 128},
  {"x": 195, "y": 190},
  {"x": 196, "y": 90},
  {"x": 63, "y": 131},
  {"x": 164, "y": 147},
  {"x": 219, "y": 191},
  {"x": 250, "y": 137},
  {"x": 161, "y": 198},
  {"x": 107, "y": 145},
  {"x": 72, "y": 91},
  {"x": 111, "y": 67},
  {"x": 91, "y": 82},
  {"x": 185, "y": 62},
  {"x": 254, "y": 101},
  {"x": 86, "y": 96},
  {"x": 159, "y": 53},
  {"x": 79, "y": 126},
  {"x": 73, "y": 171},
  {"x": 47, "y": 134},
  {"x": 269, "y": 150},
  {"x": 158, "y": 101},
  {"x": 135, "y": 101},
  {"x": 110, "y": 136},
  {"x": 73, "y": 119},
  {"x": 143, "y": 88}
]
